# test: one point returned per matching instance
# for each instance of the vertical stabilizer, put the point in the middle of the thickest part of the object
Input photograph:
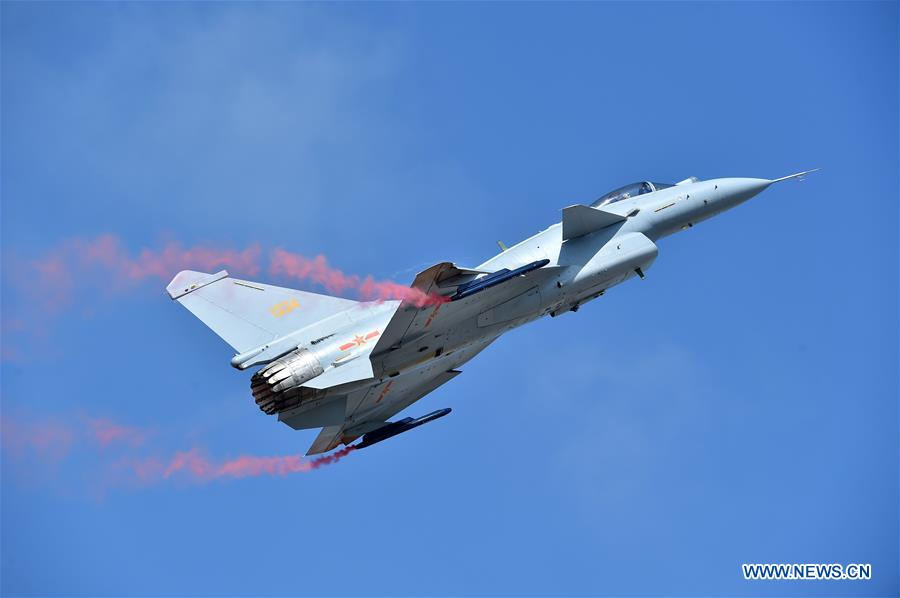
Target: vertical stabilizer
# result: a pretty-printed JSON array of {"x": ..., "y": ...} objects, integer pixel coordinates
[{"x": 250, "y": 314}]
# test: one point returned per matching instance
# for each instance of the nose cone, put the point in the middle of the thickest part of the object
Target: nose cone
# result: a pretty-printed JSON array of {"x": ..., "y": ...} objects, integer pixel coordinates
[{"x": 738, "y": 190}]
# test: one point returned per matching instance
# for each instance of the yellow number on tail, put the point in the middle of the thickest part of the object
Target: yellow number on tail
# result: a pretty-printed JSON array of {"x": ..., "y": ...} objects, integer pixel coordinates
[{"x": 285, "y": 307}]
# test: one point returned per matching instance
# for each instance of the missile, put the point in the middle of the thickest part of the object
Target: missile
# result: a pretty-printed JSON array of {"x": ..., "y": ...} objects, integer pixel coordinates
[
  {"x": 398, "y": 427},
  {"x": 500, "y": 276}
]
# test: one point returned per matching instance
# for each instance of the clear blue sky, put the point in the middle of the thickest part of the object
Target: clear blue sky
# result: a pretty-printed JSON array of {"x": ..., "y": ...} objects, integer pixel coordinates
[{"x": 738, "y": 405}]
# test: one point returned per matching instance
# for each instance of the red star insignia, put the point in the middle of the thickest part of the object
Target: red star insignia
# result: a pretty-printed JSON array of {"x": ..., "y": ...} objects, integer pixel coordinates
[{"x": 359, "y": 340}]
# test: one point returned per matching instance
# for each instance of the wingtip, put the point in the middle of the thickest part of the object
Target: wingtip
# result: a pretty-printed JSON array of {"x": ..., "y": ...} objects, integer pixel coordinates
[
  {"x": 798, "y": 175},
  {"x": 187, "y": 281}
]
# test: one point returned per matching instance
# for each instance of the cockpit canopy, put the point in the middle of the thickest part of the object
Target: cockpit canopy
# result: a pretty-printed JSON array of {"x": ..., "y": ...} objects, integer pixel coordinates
[{"x": 629, "y": 191}]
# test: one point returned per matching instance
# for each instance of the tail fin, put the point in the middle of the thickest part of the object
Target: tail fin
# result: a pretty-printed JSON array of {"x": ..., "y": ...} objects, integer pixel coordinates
[{"x": 249, "y": 314}]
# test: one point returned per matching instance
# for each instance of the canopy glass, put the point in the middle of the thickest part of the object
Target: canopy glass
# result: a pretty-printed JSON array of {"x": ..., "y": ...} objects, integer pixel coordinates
[{"x": 629, "y": 191}]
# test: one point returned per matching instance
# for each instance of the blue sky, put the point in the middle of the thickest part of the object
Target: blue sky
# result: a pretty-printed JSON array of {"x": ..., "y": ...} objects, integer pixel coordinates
[{"x": 738, "y": 405}]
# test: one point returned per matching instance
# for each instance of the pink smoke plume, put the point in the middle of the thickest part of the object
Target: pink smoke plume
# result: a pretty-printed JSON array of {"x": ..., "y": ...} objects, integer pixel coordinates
[
  {"x": 104, "y": 264},
  {"x": 31, "y": 442},
  {"x": 107, "y": 251},
  {"x": 48, "y": 439},
  {"x": 76, "y": 262},
  {"x": 317, "y": 270},
  {"x": 199, "y": 468},
  {"x": 73, "y": 260},
  {"x": 194, "y": 465},
  {"x": 105, "y": 431},
  {"x": 80, "y": 268},
  {"x": 55, "y": 437}
]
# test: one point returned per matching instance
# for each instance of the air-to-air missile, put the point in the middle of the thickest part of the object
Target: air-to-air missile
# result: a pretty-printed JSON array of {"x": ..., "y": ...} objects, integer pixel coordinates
[
  {"x": 491, "y": 280},
  {"x": 399, "y": 427}
]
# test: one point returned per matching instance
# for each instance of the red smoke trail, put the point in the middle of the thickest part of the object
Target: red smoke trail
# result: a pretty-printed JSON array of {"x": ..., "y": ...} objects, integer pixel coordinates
[
  {"x": 107, "y": 251},
  {"x": 314, "y": 269},
  {"x": 83, "y": 267},
  {"x": 55, "y": 438},
  {"x": 55, "y": 276},
  {"x": 103, "y": 264},
  {"x": 385, "y": 289},
  {"x": 198, "y": 467},
  {"x": 104, "y": 431},
  {"x": 34, "y": 442},
  {"x": 73, "y": 260},
  {"x": 53, "y": 281},
  {"x": 50, "y": 440},
  {"x": 317, "y": 270}
]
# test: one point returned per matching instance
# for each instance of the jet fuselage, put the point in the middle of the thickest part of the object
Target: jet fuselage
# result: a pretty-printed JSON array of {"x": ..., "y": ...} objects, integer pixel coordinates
[
  {"x": 580, "y": 269},
  {"x": 349, "y": 366}
]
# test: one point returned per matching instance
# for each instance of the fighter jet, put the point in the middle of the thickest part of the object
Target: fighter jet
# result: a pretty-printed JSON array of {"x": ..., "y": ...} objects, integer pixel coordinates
[{"x": 349, "y": 366}]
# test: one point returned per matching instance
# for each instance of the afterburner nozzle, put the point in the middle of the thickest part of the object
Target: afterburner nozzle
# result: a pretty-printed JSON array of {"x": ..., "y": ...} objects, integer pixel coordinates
[{"x": 269, "y": 384}]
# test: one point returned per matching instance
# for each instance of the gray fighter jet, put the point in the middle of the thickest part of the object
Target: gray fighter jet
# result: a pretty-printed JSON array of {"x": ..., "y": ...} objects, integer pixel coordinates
[{"x": 349, "y": 366}]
